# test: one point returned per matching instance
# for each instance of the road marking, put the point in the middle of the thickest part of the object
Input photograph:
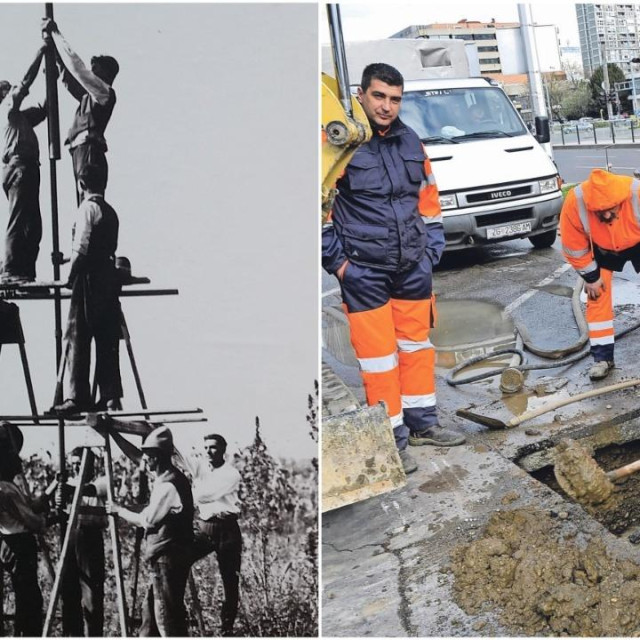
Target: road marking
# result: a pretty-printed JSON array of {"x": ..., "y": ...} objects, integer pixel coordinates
[{"x": 525, "y": 296}]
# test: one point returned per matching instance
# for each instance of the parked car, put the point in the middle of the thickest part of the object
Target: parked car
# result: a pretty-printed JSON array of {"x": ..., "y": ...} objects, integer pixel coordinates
[{"x": 571, "y": 127}]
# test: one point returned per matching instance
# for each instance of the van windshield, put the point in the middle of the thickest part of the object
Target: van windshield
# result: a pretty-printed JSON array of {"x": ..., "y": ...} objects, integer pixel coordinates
[{"x": 460, "y": 115}]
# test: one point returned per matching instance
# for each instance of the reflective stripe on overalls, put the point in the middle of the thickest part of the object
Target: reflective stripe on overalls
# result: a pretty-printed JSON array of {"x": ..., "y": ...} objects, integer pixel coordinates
[{"x": 600, "y": 311}]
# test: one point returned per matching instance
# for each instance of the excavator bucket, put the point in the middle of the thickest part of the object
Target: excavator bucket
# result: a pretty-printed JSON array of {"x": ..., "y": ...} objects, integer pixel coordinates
[{"x": 359, "y": 457}]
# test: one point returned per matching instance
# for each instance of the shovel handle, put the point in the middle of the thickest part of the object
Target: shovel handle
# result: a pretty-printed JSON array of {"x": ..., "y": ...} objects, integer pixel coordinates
[{"x": 622, "y": 472}]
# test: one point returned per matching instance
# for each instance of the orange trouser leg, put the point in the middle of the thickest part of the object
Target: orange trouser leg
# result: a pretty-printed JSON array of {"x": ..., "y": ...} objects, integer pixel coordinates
[
  {"x": 416, "y": 355},
  {"x": 600, "y": 320},
  {"x": 374, "y": 341}
]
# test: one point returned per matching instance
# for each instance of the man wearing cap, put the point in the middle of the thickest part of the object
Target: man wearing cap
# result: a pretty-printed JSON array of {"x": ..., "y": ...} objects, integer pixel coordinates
[
  {"x": 94, "y": 311},
  {"x": 92, "y": 89},
  {"x": 20, "y": 518},
  {"x": 600, "y": 230},
  {"x": 21, "y": 177},
  {"x": 215, "y": 490},
  {"x": 168, "y": 524}
]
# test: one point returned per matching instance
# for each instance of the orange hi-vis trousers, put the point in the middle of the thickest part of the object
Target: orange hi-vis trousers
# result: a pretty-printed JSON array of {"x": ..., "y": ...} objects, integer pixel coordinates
[
  {"x": 600, "y": 320},
  {"x": 390, "y": 316}
]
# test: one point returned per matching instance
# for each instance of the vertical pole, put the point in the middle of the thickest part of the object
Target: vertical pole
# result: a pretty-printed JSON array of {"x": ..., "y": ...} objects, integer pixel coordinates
[
  {"x": 53, "y": 123},
  {"x": 538, "y": 106},
  {"x": 87, "y": 457},
  {"x": 115, "y": 543}
]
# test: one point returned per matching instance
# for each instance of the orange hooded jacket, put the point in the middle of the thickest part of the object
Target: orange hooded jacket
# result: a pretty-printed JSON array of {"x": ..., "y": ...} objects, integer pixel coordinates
[{"x": 588, "y": 242}]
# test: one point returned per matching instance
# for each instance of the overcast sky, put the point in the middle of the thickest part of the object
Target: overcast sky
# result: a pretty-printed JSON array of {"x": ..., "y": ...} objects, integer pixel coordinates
[
  {"x": 370, "y": 21},
  {"x": 213, "y": 171}
]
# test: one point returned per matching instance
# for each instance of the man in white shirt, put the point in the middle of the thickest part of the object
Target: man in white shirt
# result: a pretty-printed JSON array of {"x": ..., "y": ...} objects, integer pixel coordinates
[
  {"x": 94, "y": 311},
  {"x": 215, "y": 492},
  {"x": 91, "y": 87}
]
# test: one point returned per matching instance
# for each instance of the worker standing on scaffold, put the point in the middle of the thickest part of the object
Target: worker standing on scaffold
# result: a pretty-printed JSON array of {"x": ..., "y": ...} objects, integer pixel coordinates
[
  {"x": 21, "y": 177},
  {"x": 92, "y": 89},
  {"x": 95, "y": 308}
]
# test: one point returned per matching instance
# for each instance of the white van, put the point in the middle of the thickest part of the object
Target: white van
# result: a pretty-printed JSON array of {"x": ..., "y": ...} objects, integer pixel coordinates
[
  {"x": 496, "y": 182},
  {"x": 494, "y": 178}
]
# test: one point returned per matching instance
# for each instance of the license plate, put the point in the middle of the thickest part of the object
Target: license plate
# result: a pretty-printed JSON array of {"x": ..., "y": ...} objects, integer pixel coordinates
[{"x": 508, "y": 230}]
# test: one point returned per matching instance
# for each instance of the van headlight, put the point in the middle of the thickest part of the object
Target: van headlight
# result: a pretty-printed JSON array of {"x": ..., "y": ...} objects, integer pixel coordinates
[
  {"x": 548, "y": 185},
  {"x": 448, "y": 202}
]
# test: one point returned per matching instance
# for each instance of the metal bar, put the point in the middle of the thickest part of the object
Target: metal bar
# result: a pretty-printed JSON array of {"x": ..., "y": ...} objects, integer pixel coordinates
[
  {"x": 339, "y": 57},
  {"x": 27, "y": 379},
  {"x": 114, "y": 414},
  {"x": 53, "y": 124},
  {"x": 134, "y": 367},
  {"x": 66, "y": 544},
  {"x": 47, "y": 295},
  {"x": 117, "y": 426},
  {"x": 115, "y": 544}
]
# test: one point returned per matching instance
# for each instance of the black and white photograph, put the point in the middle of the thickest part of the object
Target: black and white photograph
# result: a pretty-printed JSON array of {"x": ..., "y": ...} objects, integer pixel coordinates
[{"x": 159, "y": 319}]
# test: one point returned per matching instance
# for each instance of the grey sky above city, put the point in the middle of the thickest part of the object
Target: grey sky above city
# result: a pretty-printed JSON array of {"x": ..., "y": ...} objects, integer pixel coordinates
[
  {"x": 370, "y": 21},
  {"x": 214, "y": 176}
]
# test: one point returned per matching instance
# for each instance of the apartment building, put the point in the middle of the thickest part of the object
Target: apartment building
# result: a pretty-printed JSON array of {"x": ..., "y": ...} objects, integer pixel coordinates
[
  {"x": 611, "y": 30},
  {"x": 482, "y": 33}
]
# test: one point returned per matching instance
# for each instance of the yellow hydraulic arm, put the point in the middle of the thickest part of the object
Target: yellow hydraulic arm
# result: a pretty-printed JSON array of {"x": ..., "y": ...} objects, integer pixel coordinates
[{"x": 344, "y": 124}]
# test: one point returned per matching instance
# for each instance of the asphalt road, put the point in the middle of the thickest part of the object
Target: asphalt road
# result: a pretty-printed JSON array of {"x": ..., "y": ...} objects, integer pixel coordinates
[{"x": 576, "y": 163}]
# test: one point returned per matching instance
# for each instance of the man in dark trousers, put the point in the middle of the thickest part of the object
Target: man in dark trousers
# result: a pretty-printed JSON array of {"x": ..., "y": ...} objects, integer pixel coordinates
[
  {"x": 92, "y": 89},
  {"x": 215, "y": 490},
  {"x": 94, "y": 311},
  {"x": 20, "y": 519},
  {"x": 84, "y": 575},
  {"x": 384, "y": 238},
  {"x": 168, "y": 523},
  {"x": 21, "y": 177}
]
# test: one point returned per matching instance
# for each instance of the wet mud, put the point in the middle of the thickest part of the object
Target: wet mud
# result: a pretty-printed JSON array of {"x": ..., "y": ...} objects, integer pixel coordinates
[
  {"x": 542, "y": 578},
  {"x": 620, "y": 513},
  {"x": 580, "y": 475}
]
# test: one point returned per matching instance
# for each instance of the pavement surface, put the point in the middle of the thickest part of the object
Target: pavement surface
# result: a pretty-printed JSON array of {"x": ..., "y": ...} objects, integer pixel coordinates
[{"x": 385, "y": 559}]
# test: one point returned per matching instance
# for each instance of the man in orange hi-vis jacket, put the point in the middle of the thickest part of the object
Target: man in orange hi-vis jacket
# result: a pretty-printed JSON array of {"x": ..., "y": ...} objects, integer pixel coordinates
[
  {"x": 600, "y": 229},
  {"x": 383, "y": 238}
]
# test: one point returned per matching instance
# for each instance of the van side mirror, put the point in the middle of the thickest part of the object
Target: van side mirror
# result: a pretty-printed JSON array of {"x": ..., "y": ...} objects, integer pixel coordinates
[{"x": 543, "y": 133}]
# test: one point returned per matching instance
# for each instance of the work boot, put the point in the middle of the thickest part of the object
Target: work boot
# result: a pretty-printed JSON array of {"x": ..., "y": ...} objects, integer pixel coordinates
[
  {"x": 69, "y": 408},
  {"x": 437, "y": 436},
  {"x": 408, "y": 463},
  {"x": 600, "y": 370}
]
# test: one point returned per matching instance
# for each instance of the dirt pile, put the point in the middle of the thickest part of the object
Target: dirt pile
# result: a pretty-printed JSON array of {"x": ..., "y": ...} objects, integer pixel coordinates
[
  {"x": 529, "y": 568},
  {"x": 579, "y": 474}
]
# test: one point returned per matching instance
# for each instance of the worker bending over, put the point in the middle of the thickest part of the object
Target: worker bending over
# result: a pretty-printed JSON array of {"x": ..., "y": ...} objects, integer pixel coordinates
[
  {"x": 600, "y": 230},
  {"x": 384, "y": 237}
]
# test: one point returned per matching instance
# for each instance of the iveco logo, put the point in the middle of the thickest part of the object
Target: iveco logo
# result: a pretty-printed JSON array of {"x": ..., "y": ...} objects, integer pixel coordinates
[{"x": 500, "y": 194}]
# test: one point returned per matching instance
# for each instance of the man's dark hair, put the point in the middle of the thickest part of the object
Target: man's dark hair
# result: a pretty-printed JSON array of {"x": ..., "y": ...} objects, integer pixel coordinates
[
  {"x": 383, "y": 72},
  {"x": 219, "y": 439},
  {"x": 109, "y": 66},
  {"x": 92, "y": 178}
]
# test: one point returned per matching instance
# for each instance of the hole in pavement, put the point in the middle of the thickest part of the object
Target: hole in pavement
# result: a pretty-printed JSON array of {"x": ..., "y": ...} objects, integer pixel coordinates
[{"x": 620, "y": 514}]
